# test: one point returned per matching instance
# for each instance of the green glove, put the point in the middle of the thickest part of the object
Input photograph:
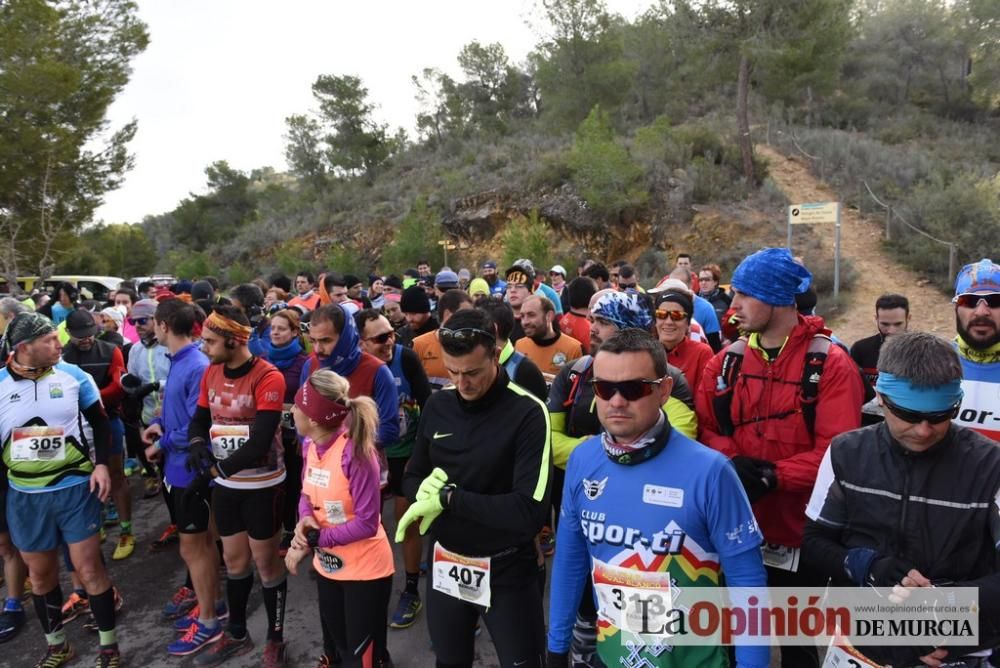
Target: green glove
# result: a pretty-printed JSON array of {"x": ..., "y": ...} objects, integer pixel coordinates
[
  {"x": 429, "y": 509},
  {"x": 432, "y": 484}
]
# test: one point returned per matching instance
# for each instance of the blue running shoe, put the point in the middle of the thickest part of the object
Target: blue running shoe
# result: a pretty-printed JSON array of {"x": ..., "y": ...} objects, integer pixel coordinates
[
  {"x": 197, "y": 637},
  {"x": 406, "y": 611}
]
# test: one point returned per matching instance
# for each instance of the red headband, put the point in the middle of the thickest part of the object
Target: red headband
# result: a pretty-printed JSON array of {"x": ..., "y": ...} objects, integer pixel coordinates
[{"x": 325, "y": 412}]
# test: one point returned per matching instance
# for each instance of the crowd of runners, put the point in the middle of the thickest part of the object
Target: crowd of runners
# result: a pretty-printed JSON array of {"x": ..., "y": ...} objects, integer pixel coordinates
[{"x": 522, "y": 425}]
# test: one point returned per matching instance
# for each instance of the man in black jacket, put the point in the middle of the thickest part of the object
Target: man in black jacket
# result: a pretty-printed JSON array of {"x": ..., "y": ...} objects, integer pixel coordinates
[
  {"x": 480, "y": 473},
  {"x": 913, "y": 501}
]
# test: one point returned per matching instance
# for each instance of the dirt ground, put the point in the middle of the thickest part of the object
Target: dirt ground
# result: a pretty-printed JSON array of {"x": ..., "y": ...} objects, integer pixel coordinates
[{"x": 861, "y": 243}]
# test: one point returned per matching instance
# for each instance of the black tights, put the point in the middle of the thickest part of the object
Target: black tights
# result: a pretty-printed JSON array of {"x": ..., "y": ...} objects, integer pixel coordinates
[{"x": 354, "y": 616}]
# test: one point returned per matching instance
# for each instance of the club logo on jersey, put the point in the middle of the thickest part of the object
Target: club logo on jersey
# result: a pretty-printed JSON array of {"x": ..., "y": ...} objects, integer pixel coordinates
[
  {"x": 559, "y": 359},
  {"x": 15, "y": 397},
  {"x": 55, "y": 391},
  {"x": 594, "y": 488}
]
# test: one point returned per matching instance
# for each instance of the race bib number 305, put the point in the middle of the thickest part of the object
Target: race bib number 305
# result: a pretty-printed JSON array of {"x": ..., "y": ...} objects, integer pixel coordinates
[
  {"x": 227, "y": 439},
  {"x": 38, "y": 444},
  {"x": 464, "y": 578}
]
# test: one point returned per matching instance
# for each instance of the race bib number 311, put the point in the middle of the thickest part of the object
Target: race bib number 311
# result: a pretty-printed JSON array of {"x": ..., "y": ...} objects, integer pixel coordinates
[
  {"x": 38, "y": 444},
  {"x": 227, "y": 439},
  {"x": 464, "y": 578}
]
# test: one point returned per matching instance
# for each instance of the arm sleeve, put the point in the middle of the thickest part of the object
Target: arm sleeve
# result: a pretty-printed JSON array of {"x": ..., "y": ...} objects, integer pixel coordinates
[
  {"x": 562, "y": 445},
  {"x": 98, "y": 420},
  {"x": 838, "y": 410},
  {"x": 530, "y": 378},
  {"x": 386, "y": 396},
  {"x": 363, "y": 483},
  {"x": 414, "y": 372},
  {"x": 707, "y": 426},
  {"x": 113, "y": 393},
  {"x": 523, "y": 509},
  {"x": 269, "y": 393},
  {"x": 569, "y": 570}
]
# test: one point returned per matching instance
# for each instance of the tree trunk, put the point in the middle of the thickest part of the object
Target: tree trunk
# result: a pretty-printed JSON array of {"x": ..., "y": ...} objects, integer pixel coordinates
[{"x": 743, "y": 119}]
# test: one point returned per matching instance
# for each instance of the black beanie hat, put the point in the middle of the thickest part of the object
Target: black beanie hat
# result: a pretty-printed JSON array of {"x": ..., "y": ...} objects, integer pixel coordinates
[{"x": 415, "y": 300}]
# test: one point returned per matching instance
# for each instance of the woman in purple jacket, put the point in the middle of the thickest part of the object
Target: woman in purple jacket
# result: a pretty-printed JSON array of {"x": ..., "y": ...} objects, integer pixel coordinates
[{"x": 285, "y": 350}]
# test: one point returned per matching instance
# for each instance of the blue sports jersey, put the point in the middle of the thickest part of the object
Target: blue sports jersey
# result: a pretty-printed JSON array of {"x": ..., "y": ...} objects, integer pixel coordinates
[{"x": 669, "y": 521}]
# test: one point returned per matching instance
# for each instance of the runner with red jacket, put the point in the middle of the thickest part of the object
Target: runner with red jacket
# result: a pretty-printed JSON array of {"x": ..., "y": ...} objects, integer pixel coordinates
[{"x": 758, "y": 404}]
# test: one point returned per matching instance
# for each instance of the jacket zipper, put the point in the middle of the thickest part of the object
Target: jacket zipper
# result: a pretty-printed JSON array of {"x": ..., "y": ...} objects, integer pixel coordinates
[{"x": 901, "y": 529}]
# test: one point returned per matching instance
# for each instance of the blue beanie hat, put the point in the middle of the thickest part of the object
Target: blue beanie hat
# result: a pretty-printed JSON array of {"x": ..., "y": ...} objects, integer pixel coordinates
[
  {"x": 773, "y": 276},
  {"x": 624, "y": 309}
]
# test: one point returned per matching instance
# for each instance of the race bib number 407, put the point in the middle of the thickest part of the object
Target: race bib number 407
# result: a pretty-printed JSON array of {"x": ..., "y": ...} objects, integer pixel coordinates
[
  {"x": 227, "y": 439},
  {"x": 464, "y": 578},
  {"x": 38, "y": 444}
]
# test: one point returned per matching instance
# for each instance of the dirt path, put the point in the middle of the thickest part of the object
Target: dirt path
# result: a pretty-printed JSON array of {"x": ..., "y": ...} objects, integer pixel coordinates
[{"x": 860, "y": 241}]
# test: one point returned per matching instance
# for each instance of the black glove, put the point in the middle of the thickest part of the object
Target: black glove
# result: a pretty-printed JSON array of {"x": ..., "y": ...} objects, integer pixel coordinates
[
  {"x": 887, "y": 572},
  {"x": 200, "y": 458},
  {"x": 198, "y": 491},
  {"x": 131, "y": 384},
  {"x": 147, "y": 389},
  {"x": 554, "y": 660},
  {"x": 757, "y": 476}
]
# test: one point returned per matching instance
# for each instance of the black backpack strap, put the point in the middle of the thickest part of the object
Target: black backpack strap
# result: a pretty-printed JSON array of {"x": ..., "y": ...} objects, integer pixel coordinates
[
  {"x": 812, "y": 372},
  {"x": 722, "y": 402}
]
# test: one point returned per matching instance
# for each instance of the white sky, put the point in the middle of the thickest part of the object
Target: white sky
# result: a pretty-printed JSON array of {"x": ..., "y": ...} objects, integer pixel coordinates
[{"x": 220, "y": 76}]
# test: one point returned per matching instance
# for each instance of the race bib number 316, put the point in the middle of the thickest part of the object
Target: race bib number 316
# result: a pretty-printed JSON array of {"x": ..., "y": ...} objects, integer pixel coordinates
[
  {"x": 227, "y": 439},
  {"x": 38, "y": 444}
]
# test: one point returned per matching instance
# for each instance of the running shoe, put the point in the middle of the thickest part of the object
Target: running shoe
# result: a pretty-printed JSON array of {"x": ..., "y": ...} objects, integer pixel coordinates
[
  {"x": 182, "y": 624},
  {"x": 111, "y": 515},
  {"x": 406, "y": 611},
  {"x": 197, "y": 637},
  {"x": 224, "y": 648},
  {"x": 168, "y": 537},
  {"x": 131, "y": 466},
  {"x": 152, "y": 487},
  {"x": 547, "y": 542},
  {"x": 180, "y": 604},
  {"x": 274, "y": 654},
  {"x": 125, "y": 547},
  {"x": 108, "y": 658},
  {"x": 74, "y": 606},
  {"x": 56, "y": 656},
  {"x": 11, "y": 622}
]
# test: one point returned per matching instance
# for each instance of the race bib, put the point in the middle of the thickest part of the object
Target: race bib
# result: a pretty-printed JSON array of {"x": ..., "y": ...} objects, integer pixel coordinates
[
  {"x": 319, "y": 477},
  {"x": 38, "y": 444},
  {"x": 781, "y": 557},
  {"x": 227, "y": 439},
  {"x": 464, "y": 578},
  {"x": 335, "y": 512},
  {"x": 633, "y": 600}
]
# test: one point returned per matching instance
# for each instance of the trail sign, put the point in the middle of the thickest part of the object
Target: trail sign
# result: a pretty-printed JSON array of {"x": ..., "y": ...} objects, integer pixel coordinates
[{"x": 819, "y": 213}]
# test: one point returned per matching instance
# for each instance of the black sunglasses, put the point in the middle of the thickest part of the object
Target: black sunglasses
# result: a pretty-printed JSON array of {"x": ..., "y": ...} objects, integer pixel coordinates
[
  {"x": 916, "y": 417},
  {"x": 631, "y": 390},
  {"x": 464, "y": 336},
  {"x": 138, "y": 321},
  {"x": 972, "y": 300},
  {"x": 304, "y": 327},
  {"x": 381, "y": 338}
]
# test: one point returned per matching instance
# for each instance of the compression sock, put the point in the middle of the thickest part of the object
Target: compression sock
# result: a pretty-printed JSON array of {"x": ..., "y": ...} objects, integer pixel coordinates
[
  {"x": 411, "y": 583},
  {"x": 238, "y": 590},
  {"x": 103, "y": 607},
  {"x": 49, "y": 611},
  {"x": 275, "y": 594}
]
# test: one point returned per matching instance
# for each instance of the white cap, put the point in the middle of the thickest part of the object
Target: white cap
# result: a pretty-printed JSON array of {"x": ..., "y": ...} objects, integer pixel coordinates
[
  {"x": 671, "y": 284},
  {"x": 558, "y": 269}
]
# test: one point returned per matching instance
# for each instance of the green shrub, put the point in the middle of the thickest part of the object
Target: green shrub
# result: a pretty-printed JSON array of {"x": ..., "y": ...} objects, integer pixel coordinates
[{"x": 527, "y": 238}]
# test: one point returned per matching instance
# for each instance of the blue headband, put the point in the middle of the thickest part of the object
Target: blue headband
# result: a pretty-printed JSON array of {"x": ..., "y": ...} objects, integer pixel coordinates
[
  {"x": 916, "y": 398},
  {"x": 773, "y": 276}
]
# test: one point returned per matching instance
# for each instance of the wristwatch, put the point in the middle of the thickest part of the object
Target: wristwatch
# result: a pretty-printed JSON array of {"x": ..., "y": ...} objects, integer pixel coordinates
[{"x": 444, "y": 496}]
